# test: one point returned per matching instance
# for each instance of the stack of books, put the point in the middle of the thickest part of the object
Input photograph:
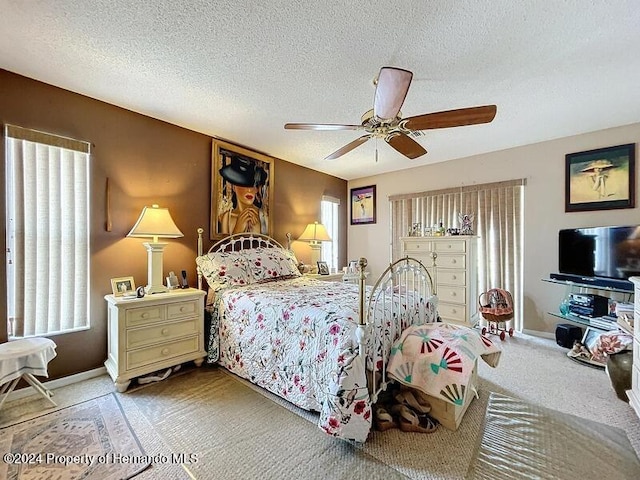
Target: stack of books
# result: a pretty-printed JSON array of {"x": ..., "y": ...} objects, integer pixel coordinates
[
  {"x": 626, "y": 324},
  {"x": 605, "y": 323},
  {"x": 624, "y": 309}
]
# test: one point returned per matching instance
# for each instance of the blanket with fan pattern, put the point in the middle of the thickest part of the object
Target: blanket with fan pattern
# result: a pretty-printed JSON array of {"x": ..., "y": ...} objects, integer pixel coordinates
[{"x": 438, "y": 359}]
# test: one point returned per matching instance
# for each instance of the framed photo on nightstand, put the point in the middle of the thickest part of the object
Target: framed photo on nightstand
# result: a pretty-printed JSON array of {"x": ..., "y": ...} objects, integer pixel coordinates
[
  {"x": 323, "y": 268},
  {"x": 123, "y": 286}
]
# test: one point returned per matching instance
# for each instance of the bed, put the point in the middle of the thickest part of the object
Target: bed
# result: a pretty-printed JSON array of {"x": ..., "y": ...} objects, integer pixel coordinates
[{"x": 321, "y": 345}]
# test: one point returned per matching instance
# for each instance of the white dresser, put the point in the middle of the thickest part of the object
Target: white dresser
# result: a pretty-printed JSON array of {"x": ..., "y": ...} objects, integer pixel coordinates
[
  {"x": 634, "y": 393},
  {"x": 153, "y": 333},
  {"x": 455, "y": 260}
]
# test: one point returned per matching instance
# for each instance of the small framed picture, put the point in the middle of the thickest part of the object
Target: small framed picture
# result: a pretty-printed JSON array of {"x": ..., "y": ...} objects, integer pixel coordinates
[
  {"x": 123, "y": 286},
  {"x": 363, "y": 205},
  {"x": 323, "y": 268}
]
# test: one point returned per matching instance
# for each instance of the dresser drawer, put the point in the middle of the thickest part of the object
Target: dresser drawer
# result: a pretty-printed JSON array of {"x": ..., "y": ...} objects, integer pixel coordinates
[
  {"x": 144, "y": 315},
  {"x": 182, "y": 309},
  {"x": 451, "y": 277},
  {"x": 447, "y": 293},
  {"x": 417, "y": 246},
  {"x": 451, "y": 261},
  {"x": 140, "y": 337},
  {"x": 456, "y": 313},
  {"x": 159, "y": 353},
  {"x": 454, "y": 246}
]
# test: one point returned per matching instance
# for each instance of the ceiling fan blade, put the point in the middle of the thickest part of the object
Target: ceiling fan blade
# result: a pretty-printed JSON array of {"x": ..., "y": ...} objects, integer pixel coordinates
[
  {"x": 451, "y": 118},
  {"x": 348, "y": 147},
  {"x": 320, "y": 126},
  {"x": 391, "y": 90},
  {"x": 405, "y": 145}
]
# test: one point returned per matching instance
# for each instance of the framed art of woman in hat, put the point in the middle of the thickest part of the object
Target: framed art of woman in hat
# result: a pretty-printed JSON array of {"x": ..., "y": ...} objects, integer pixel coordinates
[{"x": 242, "y": 184}]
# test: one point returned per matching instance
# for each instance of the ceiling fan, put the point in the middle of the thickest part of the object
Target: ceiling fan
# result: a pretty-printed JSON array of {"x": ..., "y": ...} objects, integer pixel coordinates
[{"x": 385, "y": 119}]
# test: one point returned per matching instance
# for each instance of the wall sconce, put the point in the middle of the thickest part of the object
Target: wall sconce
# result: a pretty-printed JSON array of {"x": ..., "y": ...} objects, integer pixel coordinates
[
  {"x": 155, "y": 222},
  {"x": 315, "y": 233}
]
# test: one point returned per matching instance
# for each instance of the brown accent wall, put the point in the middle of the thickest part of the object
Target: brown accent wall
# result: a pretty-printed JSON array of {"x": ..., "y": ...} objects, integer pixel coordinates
[{"x": 147, "y": 161}]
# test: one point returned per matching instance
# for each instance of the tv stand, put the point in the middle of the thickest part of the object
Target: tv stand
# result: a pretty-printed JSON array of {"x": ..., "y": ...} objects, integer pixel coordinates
[
  {"x": 597, "y": 283},
  {"x": 581, "y": 320},
  {"x": 572, "y": 281}
]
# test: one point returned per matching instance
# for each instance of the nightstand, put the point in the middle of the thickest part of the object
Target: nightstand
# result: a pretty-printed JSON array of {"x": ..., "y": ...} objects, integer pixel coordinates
[{"x": 153, "y": 333}]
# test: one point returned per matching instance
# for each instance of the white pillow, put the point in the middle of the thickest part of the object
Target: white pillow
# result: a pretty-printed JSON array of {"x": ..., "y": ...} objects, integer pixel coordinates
[
  {"x": 267, "y": 263},
  {"x": 224, "y": 268}
]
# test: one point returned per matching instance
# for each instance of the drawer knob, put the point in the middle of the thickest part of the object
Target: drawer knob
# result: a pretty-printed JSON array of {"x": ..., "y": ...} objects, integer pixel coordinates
[
  {"x": 454, "y": 310},
  {"x": 453, "y": 294},
  {"x": 453, "y": 260},
  {"x": 449, "y": 246},
  {"x": 454, "y": 277},
  {"x": 182, "y": 309},
  {"x": 144, "y": 314},
  {"x": 165, "y": 331},
  {"x": 165, "y": 351}
]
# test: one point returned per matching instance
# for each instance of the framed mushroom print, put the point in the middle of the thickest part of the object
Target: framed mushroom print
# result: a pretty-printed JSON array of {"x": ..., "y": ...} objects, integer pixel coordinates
[
  {"x": 600, "y": 179},
  {"x": 241, "y": 191}
]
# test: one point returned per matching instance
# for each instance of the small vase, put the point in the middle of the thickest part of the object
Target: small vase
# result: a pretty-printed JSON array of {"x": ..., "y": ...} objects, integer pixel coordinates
[{"x": 564, "y": 307}]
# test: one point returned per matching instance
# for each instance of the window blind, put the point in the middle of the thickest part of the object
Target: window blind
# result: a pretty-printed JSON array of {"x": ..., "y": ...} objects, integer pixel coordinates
[{"x": 47, "y": 193}]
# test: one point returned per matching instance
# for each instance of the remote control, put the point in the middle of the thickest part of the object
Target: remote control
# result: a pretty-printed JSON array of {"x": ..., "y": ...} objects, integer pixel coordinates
[{"x": 185, "y": 284}]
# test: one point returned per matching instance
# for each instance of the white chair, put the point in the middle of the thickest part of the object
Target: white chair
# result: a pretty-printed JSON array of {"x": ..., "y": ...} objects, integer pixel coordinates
[{"x": 25, "y": 358}]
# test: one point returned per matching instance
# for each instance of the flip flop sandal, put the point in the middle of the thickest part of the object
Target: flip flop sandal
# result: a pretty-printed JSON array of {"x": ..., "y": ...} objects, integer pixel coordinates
[
  {"x": 384, "y": 420},
  {"x": 412, "y": 422},
  {"x": 406, "y": 397}
]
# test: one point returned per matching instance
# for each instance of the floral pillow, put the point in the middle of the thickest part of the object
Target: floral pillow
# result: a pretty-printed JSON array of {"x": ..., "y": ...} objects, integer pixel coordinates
[
  {"x": 267, "y": 263},
  {"x": 224, "y": 269}
]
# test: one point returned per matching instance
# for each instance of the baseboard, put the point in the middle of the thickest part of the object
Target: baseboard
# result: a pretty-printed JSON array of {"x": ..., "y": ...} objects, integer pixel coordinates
[
  {"x": 536, "y": 333},
  {"x": 57, "y": 383}
]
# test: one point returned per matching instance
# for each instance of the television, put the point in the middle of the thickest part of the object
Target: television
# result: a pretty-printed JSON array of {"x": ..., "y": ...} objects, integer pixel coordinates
[{"x": 599, "y": 256}]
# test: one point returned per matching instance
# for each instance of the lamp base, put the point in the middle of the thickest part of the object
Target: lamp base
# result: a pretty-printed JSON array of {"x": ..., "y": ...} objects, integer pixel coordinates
[
  {"x": 316, "y": 254},
  {"x": 154, "y": 268},
  {"x": 151, "y": 289}
]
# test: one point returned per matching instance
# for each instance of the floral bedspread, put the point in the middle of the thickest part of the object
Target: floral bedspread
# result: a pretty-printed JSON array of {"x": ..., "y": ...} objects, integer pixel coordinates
[
  {"x": 297, "y": 338},
  {"x": 438, "y": 359}
]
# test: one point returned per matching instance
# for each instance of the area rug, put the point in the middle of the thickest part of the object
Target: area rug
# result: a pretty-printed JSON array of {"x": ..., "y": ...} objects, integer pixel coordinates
[
  {"x": 90, "y": 440},
  {"x": 524, "y": 441}
]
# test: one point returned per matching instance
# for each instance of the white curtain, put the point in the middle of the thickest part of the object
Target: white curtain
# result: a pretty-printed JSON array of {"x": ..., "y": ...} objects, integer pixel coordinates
[
  {"x": 498, "y": 222},
  {"x": 47, "y": 186}
]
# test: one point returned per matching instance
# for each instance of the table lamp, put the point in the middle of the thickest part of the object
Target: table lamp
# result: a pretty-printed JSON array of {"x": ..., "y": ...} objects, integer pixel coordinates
[
  {"x": 314, "y": 234},
  {"x": 155, "y": 222}
]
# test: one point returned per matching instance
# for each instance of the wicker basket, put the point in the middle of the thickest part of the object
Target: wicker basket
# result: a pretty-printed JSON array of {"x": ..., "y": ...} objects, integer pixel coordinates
[{"x": 496, "y": 305}]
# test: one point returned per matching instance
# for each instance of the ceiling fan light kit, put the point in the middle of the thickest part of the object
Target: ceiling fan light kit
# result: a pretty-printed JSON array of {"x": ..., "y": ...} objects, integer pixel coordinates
[{"x": 385, "y": 119}]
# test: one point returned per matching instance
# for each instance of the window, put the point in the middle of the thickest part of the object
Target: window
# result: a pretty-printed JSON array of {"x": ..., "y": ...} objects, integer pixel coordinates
[
  {"x": 329, "y": 218},
  {"x": 47, "y": 201}
]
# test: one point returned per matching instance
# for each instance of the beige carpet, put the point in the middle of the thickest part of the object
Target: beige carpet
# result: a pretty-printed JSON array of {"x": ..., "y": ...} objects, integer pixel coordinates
[
  {"x": 90, "y": 440},
  {"x": 521, "y": 441},
  {"x": 237, "y": 431}
]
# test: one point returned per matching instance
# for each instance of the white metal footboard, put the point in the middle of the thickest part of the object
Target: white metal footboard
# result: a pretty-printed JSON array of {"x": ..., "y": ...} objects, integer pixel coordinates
[{"x": 402, "y": 296}]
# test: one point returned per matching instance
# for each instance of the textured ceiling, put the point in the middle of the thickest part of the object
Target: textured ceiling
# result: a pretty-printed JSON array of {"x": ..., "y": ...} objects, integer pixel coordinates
[{"x": 241, "y": 70}]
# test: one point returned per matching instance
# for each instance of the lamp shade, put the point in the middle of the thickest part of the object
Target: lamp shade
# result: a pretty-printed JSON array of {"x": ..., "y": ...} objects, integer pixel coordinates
[
  {"x": 314, "y": 233},
  {"x": 155, "y": 222}
]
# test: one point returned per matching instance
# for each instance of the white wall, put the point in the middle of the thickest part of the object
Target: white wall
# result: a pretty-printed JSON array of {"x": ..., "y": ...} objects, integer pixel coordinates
[{"x": 542, "y": 164}]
